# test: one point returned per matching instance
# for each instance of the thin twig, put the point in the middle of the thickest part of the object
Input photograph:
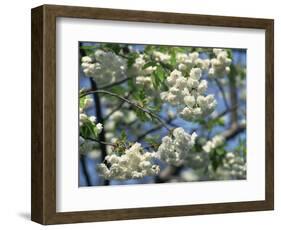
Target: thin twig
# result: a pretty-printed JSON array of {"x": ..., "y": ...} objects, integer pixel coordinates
[
  {"x": 114, "y": 84},
  {"x": 223, "y": 113},
  {"x": 233, "y": 131},
  {"x": 141, "y": 136},
  {"x": 98, "y": 141},
  {"x": 129, "y": 102},
  {"x": 117, "y": 107}
]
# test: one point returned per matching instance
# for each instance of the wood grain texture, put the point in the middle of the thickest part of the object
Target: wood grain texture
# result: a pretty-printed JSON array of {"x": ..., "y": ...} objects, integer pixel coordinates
[
  {"x": 43, "y": 207},
  {"x": 37, "y": 115}
]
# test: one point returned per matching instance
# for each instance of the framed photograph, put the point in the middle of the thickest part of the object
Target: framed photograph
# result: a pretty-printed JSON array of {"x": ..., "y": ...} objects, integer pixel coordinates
[{"x": 139, "y": 114}]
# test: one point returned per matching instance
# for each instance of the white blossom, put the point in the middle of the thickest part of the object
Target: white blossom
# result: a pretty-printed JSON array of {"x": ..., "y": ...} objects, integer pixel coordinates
[
  {"x": 189, "y": 175},
  {"x": 220, "y": 64},
  {"x": 139, "y": 62},
  {"x": 203, "y": 64},
  {"x": 202, "y": 87},
  {"x": 183, "y": 58},
  {"x": 144, "y": 81},
  {"x": 117, "y": 116},
  {"x": 182, "y": 67},
  {"x": 161, "y": 57},
  {"x": 88, "y": 102},
  {"x": 149, "y": 70},
  {"x": 194, "y": 56},
  {"x": 186, "y": 61},
  {"x": 93, "y": 119},
  {"x": 143, "y": 74},
  {"x": 104, "y": 67},
  {"x": 99, "y": 128},
  {"x": 174, "y": 149},
  {"x": 84, "y": 118},
  {"x": 86, "y": 59},
  {"x": 133, "y": 164},
  {"x": 188, "y": 94},
  {"x": 233, "y": 166},
  {"x": 215, "y": 142},
  {"x": 189, "y": 100},
  {"x": 195, "y": 73}
]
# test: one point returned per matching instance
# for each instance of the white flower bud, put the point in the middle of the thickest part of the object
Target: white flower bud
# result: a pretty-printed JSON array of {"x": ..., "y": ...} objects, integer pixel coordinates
[
  {"x": 93, "y": 119},
  {"x": 195, "y": 73},
  {"x": 189, "y": 101},
  {"x": 86, "y": 59},
  {"x": 99, "y": 127},
  {"x": 202, "y": 87}
]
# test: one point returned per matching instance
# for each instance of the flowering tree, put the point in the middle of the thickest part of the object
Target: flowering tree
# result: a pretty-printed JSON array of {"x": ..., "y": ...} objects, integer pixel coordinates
[{"x": 151, "y": 114}]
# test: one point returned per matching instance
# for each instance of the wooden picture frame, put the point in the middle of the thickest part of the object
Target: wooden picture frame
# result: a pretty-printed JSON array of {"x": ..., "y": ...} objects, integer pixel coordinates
[{"x": 43, "y": 208}]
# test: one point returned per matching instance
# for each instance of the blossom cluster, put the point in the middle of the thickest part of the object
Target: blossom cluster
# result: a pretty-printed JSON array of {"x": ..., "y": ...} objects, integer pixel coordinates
[
  {"x": 175, "y": 149},
  {"x": 161, "y": 57},
  {"x": 187, "y": 61},
  {"x": 235, "y": 165},
  {"x": 104, "y": 67},
  {"x": 215, "y": 142},
  {"x": 85, "y": 119},
  {"x": 133, "y": 164},
  {"x": 188, "y": 94},
  {"x": 220, "y": 65},
  {"x": 143, "y": 74},
  {"x": 85, "y": 102},
  {"x": 183, "y": 77}
]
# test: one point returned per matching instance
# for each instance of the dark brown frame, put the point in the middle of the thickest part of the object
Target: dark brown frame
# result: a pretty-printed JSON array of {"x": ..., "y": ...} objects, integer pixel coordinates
[{"x": 43, "y": 189}]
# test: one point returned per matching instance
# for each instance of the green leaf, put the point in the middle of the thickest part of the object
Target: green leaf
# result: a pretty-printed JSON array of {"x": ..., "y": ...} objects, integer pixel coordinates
[
  {"x": 113, "y": 47},
  {"x": 123, "y": 135},
  {"x": 160, "y": 72},
  {"x": 229, "y": 53},
  {"x": 87, "y": 47},
  {"x": 153, "y": 141},
  {"x": 82, "y": 102},
  {"x": 89, "y": 50},
  {"x": 143, "y": 116},
  {"x": 89, "y": 130},
  {"x": 220, "y": 151},
  {"x": 148, "y": 64},
  {"x": 158, "y": 77},
  {"x": 131, "y": 59},
  {"x": 212, "y": 123},
  {"x": 118, "y": 89},
  {"x": 217, "y": 157},
  {"x": 173, "y": 58}
]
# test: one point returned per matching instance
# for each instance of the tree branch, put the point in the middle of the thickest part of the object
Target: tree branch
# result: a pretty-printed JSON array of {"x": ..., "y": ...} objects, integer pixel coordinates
[
  {"x": 114, "y": 83},
  {"x": 99, "y": 120},
  {"x": 141, "y": 136},
  {"x": 129, "y": 102},
  {"x": 100, "y": 142},
  {"x": 233, "y": 131},
  {"x": 223, "y": 113},
  {"x": 84, "y": 170},
  {"x": 117, "y": 107},
  {"x": 168, "y": 173}
]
